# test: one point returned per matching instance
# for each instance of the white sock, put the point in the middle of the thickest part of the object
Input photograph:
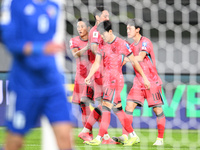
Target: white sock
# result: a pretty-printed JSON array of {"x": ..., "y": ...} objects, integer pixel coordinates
[
  {"x": 133, "y": 134},
  {"x": 85, "y": 130},
  {"x": 106, "y": 136},
  {"x": 98, "y": 138}
]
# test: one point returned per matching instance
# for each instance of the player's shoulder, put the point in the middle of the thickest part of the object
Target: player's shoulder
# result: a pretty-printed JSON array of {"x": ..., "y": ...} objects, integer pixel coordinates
[
  {"x": 55, "y": 3},
  {"x": 145, "y": 39},
  {"x": 76, "y": 38},
  {"x": 119, "y": 40},
  {"x": 16, "y": 5},
  {"x": 146, "y": 43},
  {"x": 94, "y": 28},
  {"x": 93, "y": 32}
]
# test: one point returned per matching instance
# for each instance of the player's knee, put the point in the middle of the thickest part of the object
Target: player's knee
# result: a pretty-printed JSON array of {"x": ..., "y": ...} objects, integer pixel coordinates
[
  {"x": 107, "y": 104},
  {"x": 157, "y": 110},
  {"x": 130, "y": 106},
  {"x": 105, "y": 108},
  {"x": 117, "y": 109},
  {"x": 160, "y": 115},
  {"x": 84, "y": 104},
  {"x": 129, "y": 112},
  {"x": 98, "y": 111}
]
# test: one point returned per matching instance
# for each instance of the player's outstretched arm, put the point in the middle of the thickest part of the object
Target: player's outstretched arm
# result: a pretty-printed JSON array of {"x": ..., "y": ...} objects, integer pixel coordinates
[
  {"x": 139, "y": 69},
  {"x": 49, "y": 48},
  {"x": 141, "y": 56},
  {"x": 93, "y": 69},
  {"x": 125, "y": 61},
  {"x": 77, "y": 53}
]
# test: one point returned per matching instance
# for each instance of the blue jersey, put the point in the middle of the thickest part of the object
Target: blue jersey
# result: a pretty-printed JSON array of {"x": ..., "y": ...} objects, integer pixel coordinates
[{"x": 24, "y": 21}]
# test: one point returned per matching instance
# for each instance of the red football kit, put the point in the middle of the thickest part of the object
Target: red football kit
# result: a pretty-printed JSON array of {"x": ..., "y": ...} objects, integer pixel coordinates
[
  {"x": 96, "y": 83},
  {"x": 138, "y": 93},
  {"x": 83, "y": 64},
  {"x": 112, "y": 57}
]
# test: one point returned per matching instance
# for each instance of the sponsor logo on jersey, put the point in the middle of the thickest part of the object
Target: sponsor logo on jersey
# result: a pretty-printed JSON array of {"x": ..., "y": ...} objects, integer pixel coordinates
[
  {"x": 144, "y": 45},
  {"x": 29, "y": 9},
  {"x": 95, "y": 34}
]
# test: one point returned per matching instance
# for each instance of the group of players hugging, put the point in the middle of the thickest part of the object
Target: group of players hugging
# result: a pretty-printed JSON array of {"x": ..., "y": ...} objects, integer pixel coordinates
[{"x": 100, "y": 55}]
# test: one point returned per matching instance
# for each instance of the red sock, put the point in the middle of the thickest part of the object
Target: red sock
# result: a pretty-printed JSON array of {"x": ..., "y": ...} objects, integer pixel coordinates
[
  {"x": 85, "y": 112},
  {"x": 130, "y": 118},
  {"x": 123, "y": 118},
  {"x": 161, "y": 124},
  {"x": 105, "y": 121},
  {"x": 95, "y": 115}
]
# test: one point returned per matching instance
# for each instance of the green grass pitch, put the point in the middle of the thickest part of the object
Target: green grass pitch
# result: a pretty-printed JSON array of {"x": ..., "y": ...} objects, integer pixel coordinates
[{"x": 173, "y": 139}]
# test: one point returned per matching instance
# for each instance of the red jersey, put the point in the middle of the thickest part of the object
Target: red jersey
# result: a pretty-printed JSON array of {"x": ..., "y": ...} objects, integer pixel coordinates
[
  {"x": 148, "y": 64},
  {"x": 95, "y": 38},
  {"x": 83, "y": 63},
  {"x": 113, "y": 56}
]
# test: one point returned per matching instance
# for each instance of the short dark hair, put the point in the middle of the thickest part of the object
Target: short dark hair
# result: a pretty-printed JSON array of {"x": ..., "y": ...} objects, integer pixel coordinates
[
  {"x": 137, "y": 23},
  {"x": 85, "y": 21},
  {"x": 98, "y": 11},
  {"x": 104, "y": 26}
]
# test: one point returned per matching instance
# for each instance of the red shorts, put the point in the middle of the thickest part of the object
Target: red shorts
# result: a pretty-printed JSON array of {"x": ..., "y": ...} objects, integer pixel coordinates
[
  {"x": 94, "y": 91},
  {"x": 112, "y": 94},
  {"x": 153, "y": 96},
  {"x": 78, "y": 92}
]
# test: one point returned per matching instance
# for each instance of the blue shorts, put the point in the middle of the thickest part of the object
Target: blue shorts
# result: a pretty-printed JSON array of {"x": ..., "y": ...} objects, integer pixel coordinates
[{"x": 25, "y": 108}]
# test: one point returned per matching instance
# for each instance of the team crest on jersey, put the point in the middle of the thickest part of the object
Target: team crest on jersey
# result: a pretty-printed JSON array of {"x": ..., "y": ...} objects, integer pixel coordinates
[
  {"x": 51, "y": 11},
  {"x": 95, "y": 34},
  {"x": 29, "y": 10},
  {"x": 144, "y": 45}
]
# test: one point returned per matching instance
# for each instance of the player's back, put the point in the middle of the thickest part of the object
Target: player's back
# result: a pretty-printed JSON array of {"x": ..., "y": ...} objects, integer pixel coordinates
[{"x": 37, "y": 24}]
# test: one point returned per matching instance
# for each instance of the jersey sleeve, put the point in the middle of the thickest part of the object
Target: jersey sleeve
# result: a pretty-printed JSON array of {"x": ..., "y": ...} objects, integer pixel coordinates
[
  {"x": 73, "y": 44},
  {"x": 100, "y": 50},
  {"x": 95, "y": 37},
  {"x": 146, "y": 46},
  {"x": 11, "y": 28}
]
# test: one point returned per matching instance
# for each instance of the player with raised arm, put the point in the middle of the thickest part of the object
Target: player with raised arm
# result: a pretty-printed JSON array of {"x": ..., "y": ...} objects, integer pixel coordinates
[
  {"x": 84, "y": 58},
  {"x": 101, "y": 14},
  {"x": 112, "y": 55},
  {"x": 142, "y": 48},
  {"x": 33, "y": 32}
]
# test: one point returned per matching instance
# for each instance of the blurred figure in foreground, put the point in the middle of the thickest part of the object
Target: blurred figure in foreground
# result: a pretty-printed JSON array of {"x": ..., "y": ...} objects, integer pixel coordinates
[{"x": 29, "y": 31}]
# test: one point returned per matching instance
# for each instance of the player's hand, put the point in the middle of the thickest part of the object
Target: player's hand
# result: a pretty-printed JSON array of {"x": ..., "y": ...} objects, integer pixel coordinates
[
  {"x": 52, "y": 48},
  {"x": 146, "y": 83},
  {"x": 87, "y": 81}
]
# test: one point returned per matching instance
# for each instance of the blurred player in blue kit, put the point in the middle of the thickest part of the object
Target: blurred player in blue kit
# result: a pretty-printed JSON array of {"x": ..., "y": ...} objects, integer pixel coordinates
[{"x": 29, "y": 28}]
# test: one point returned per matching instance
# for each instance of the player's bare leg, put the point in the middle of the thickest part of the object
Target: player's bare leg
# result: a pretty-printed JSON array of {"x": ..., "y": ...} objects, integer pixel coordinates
[
  {"x": 13, "y": 141},
  {"x": 63, "y": 134}
]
